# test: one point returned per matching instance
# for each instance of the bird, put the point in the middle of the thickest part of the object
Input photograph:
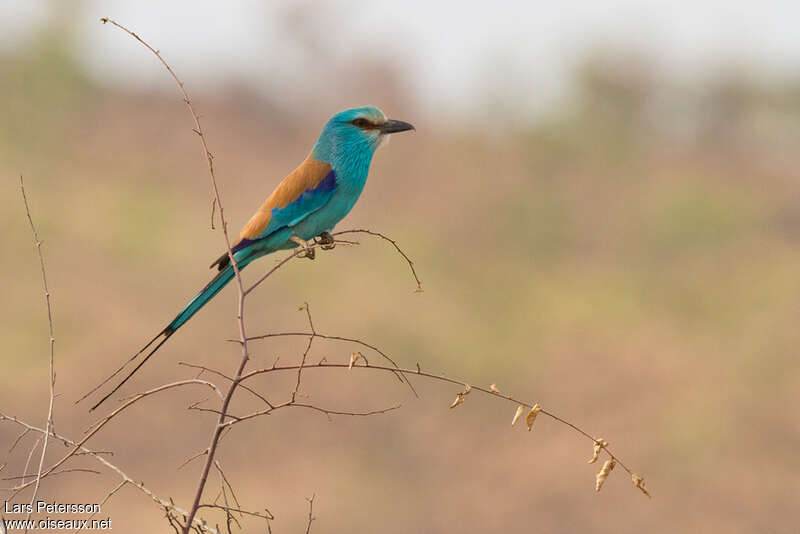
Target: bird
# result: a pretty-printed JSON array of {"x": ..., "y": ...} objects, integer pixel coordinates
[{"x": 305, "y": 205}]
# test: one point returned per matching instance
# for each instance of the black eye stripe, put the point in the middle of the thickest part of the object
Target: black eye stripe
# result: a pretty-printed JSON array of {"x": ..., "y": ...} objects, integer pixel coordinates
[{"x": 362, "y": 123}]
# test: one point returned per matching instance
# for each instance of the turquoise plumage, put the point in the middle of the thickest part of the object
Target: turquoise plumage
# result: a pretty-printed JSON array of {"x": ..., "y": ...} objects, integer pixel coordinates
[{"x": 308, "y": 203}]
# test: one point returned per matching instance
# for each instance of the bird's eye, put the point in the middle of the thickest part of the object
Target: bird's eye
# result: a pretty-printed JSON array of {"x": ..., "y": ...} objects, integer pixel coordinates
[{"x": 361, "y": 123}]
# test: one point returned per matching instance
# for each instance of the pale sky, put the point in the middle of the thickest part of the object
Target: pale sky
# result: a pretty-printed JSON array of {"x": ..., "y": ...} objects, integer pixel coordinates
[{"x": 450, "y": 47}]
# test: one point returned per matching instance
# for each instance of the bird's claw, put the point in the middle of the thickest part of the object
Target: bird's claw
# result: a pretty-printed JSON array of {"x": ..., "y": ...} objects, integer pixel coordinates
[
  {"x": 326, "y": 241},
  {"x": 307, "y": 251}
]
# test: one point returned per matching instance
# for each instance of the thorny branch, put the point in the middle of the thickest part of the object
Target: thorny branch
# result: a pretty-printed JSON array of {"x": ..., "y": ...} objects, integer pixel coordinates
[
  {"x": 79, "y": 448},
  {"x": 61, "y": 472},
  {"x": 394, "y": 244},
  {"x": 599, "y": 444},
  {"x": 30, "y": 454},
  {"x": 216, "y": 435},
  {"x": 311, "y": 517},
  {"x": 104, "y": 501},
  {"x": 378, "y": 351},
  {"x": 187, "y": 521},
  {"x": 126, "y": 479},
  {"x": 204, "y": 369},
  {"x": 438, "y": 377},
  {"x": 95, "y": 427},
  {"x": 38, "y": 244},
  {"x": 198, "y": 129}
]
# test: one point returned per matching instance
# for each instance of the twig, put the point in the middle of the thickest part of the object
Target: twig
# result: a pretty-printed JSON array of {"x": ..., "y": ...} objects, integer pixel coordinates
[
  {"x": 226, "y": 377},
  {"x": 198, "y": 129},
  {"x": 266, "y": 515},
  {"x": 440, "y": 378},
  {"x": 394, "y": 244},
  {"x": 305, "y": 352},
  {"x": 310, "y": 513},
  {"x": 30, "y": 454},
  {"x": 62, "y": 471},
  {"x": 193, "y": 457},
  {"x": 122, "y": 474},
  {"x": 225, "y": 487},
  {"x": 103, "y": 502},
  {"x": 212, "y": 410},
  {"x": 298, "y": 251},
  {"x": 385, "y": 356},
  {"x": 240, "y": 315},
  {"x": 326, "y": 411},
  {"x": 19, "y": 438},
  {"x": 94, "y": 428},
  {"x": 38, "y": 244}
]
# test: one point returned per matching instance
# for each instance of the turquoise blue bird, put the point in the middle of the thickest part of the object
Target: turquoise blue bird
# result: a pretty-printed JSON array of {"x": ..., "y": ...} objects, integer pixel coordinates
[{"x": 307, "y": 204}]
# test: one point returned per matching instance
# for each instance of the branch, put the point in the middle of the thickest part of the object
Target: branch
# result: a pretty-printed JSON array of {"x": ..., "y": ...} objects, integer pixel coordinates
[
  {"x": 491, "y": 391},
  {"x": 326, "y": 411},
  {"x": 104, "y": 501},
  {"x": 403, "y": 372},
  {"x": 240, "y": 315},
  {"x": 385, "y": 356},
  {"x": 394, "y": 244},
  {"x": 298, "y": 251},
  {"x": 124, "y": 476},
  {"x": 38, "y": 244},
  {"x": 305, "y": 352},
  {"x": 95, "y": 427},
  {"x": 74, "y": 470},
  {"x": 310, "y": 513},
  {"x": 265, "y": 515},
  {"x": 205, "y": 369},
  {"x": 198, "y": 129}
]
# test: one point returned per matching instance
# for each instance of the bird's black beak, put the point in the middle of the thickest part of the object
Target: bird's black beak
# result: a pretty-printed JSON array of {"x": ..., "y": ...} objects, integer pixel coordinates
[{"x": 392, "y": 126}]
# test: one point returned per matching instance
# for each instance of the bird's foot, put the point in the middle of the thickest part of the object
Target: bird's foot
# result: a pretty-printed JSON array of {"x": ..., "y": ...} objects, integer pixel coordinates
[
  {"x": 307, "y": 252},
  {"x": 326, "y": 241}
]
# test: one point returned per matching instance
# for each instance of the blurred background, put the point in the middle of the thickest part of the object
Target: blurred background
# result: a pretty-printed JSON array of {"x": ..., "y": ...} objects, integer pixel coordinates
[{"x": 602, "y": 201}]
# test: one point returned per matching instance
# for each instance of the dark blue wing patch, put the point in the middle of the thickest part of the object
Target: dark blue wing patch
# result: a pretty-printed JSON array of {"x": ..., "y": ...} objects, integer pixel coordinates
[
  {"x": 294, "y": 212},
  {"x": 310, "y": 201}
]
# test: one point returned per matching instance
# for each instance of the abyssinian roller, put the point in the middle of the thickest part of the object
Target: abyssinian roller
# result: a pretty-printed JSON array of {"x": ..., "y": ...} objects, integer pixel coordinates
[{"x": 307, "y": 204}]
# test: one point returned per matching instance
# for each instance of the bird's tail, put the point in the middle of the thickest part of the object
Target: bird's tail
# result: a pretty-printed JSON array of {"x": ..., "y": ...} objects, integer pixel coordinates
[{"x": 202, "y": 298}]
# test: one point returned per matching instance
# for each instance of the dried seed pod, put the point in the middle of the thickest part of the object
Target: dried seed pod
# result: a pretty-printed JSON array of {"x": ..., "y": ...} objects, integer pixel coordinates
[
  {"x": 599, "y": 445},
  {"x": 602, "y": 474},
  {"x": 639, "y": 483},
  {"x": 493, "y": 388},
  {"x": 517, "y": 415},
  {"x": 459, "y": 400},
  {"x": 531, "y": 417}
]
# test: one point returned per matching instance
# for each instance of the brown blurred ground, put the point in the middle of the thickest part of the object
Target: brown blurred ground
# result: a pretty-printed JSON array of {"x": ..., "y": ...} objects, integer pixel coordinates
[{"x": 630, "y": 262}]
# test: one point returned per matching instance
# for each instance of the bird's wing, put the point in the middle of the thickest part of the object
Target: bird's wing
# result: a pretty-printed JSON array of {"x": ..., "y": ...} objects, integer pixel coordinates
[
  {"x": 299, "y": 192},
  {"x": 303, "y": 191},
  {"x": 306, "y": 203}
]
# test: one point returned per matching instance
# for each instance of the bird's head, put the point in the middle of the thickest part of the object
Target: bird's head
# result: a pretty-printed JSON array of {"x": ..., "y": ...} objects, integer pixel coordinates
[{"x": 354, "y": 131}]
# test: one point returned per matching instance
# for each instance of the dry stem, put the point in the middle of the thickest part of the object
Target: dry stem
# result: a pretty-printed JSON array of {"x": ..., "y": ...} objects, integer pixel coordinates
[
  {"x": 38, "y": 244},
  {"x": 126, "y": 479},
  {"x": 198, "y": 129},
  {"x": 441, "y": 378}
]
